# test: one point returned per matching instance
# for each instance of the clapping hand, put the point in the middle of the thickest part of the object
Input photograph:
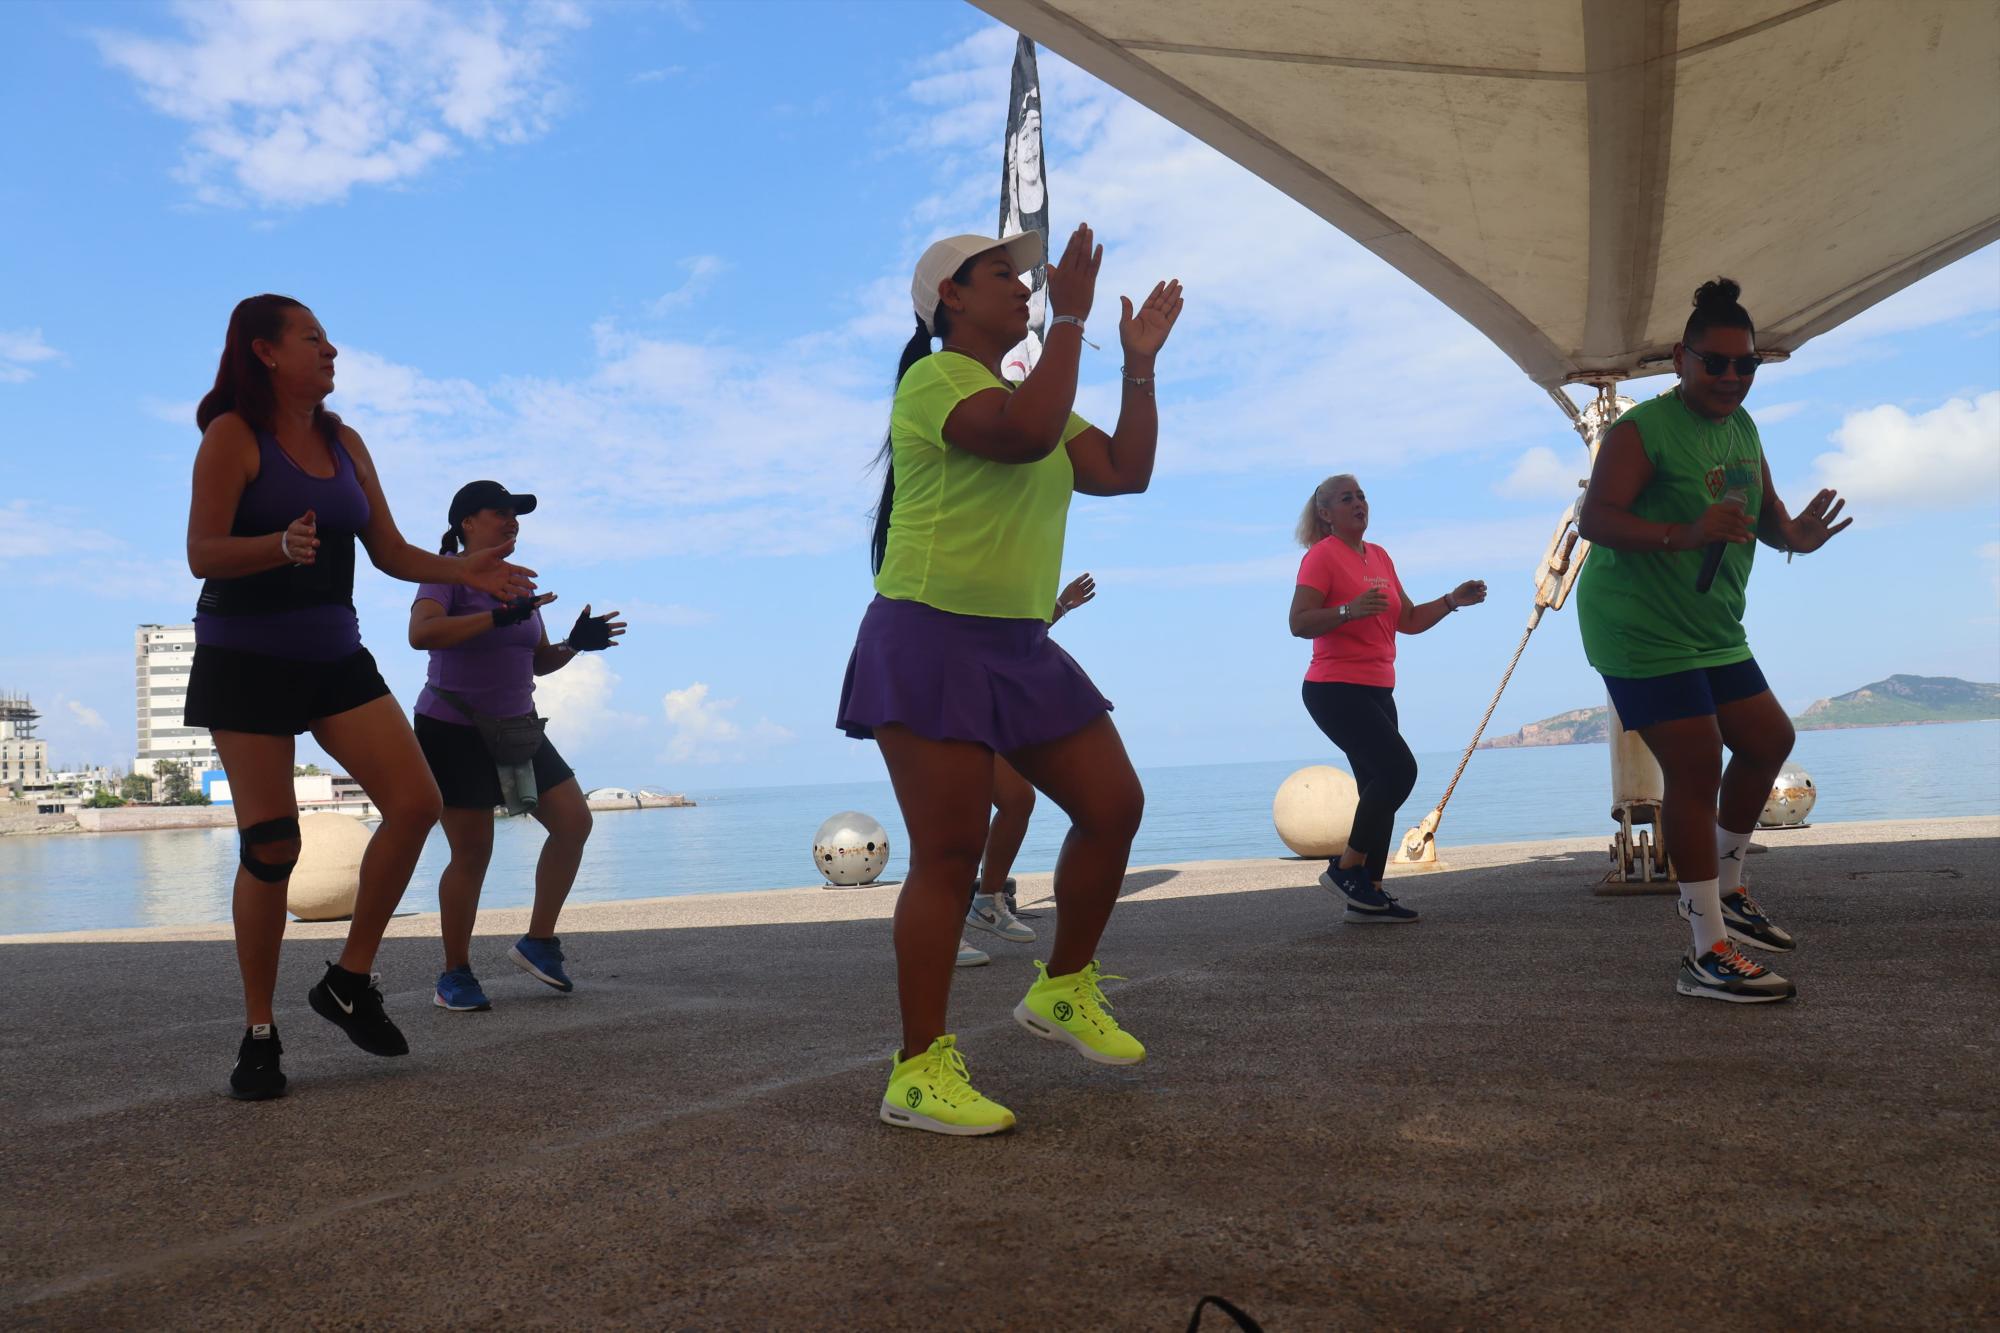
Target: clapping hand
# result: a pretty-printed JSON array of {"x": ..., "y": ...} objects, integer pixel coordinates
[
  {"x": 593, "y": 634},
  {"x": 1073, "y": 279},
  {"x": 1812, "y": 529},
  {"x": 1370, "y": 603},
  {"x": 520, "y": 609},
  {"x": 1144, "y": 331},
  {"x": 489, "y": 572},
  {"x": 1469, "y": 593}
]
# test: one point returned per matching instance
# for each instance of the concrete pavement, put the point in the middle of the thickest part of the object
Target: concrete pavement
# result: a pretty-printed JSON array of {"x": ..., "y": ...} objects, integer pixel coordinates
[{"x": 1502, "y": 1115}]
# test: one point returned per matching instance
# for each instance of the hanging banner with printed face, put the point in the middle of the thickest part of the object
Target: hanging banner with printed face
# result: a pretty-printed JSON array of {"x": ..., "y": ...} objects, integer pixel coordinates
[{"x": 1024, "y": 199}]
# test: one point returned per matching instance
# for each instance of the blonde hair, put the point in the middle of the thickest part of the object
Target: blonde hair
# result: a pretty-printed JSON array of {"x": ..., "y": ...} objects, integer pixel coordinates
[{"x": 1313, "y": 529}]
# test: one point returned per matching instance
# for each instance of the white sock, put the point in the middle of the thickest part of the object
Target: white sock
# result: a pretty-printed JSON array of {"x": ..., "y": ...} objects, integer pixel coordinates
[
  {"x": 1730, "y": 849},
  {"x": 1704, "y": 903}
]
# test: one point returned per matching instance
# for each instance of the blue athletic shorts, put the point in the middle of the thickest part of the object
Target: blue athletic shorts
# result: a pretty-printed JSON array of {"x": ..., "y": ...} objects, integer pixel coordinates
[{"x": 1644, "y": 700}]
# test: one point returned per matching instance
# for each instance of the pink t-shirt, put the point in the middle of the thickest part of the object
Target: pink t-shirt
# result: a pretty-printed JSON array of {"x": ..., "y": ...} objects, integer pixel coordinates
[{"x": 1361, "y": 652}]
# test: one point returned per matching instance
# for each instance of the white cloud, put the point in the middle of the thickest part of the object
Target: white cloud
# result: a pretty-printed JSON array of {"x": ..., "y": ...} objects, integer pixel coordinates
[
  {"x": 21, "y": 350},
  {"x": 1772, "y": 414},
  {"x": 296, "y": 102},
  {"x": 701, "y": 272},
  {"x": 1543, "y": 474},
  {"x": 704, "y": 733},
  {"x": 1941, "y": 459},
  {"x": 658, "y": 75},
  {"x": 85, "y": 715},
  {"x": 52, "y": 546},
  {"x": 577, "y": 701}
]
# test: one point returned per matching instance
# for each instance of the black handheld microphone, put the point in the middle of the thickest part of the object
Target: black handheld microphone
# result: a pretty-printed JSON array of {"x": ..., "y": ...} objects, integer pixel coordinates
[{"x": 1711, "y": 559}]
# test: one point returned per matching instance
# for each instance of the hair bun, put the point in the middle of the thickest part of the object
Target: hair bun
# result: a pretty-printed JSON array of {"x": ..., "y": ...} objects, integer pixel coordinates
[{"x": 1720, "y": 294}]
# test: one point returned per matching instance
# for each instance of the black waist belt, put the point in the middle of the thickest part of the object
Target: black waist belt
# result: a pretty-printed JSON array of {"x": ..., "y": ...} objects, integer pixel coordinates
[{"x": 328, "y": 581}]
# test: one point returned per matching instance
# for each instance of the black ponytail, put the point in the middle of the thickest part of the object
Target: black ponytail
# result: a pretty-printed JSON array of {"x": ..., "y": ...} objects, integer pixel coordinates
[
  {"x": 449, "y": 544},
  {"x": 1716, "y": 307},
  {"x": 915, "y": 350}
]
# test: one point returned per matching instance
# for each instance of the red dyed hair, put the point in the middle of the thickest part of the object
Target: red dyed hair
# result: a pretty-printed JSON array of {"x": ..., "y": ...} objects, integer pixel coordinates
[{"x": 242, "y": 382}]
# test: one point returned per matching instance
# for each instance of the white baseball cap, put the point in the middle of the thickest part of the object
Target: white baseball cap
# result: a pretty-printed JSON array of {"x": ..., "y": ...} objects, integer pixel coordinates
[{"x": 944, "y": 258}]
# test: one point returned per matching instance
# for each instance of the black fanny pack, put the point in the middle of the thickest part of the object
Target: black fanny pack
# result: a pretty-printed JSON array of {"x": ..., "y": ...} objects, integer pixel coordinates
[{"x": 509, "y": 740}]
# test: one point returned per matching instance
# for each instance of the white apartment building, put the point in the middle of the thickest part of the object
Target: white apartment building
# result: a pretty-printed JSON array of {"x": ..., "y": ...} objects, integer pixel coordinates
[
  {"x": 24, "y": 761},
  {"x": 164, "y": 654}
]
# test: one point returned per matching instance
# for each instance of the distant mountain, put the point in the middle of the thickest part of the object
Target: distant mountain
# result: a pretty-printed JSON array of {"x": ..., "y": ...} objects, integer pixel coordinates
[
  {"x": 1905, "y": 701},
  {"x": 1579, "y": 726},
  {"x": 1899, "y": 701}
]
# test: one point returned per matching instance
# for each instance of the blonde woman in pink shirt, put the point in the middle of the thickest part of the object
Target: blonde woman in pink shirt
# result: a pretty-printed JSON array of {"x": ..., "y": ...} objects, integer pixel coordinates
[{"x": 1350, "y": 603}]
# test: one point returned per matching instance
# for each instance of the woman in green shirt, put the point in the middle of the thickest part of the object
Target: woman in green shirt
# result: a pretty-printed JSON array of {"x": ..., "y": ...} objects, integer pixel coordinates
[
  {"x": 1679, "y": 481},
  {"x": 953, "y": 663}
]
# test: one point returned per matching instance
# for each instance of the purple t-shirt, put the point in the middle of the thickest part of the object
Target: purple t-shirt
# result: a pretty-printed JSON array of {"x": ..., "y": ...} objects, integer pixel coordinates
[{"x": 494, "y": 672}]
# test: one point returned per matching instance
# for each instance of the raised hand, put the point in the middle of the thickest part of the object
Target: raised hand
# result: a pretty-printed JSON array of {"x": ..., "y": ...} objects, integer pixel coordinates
[
  {"x": 1080, "y": 590},
  {"x": 1073, "y": 279},
  {"x": 300, "y": 543},
  {"x": 593, "y": 634},
  {"x": 1815, "y": 526},
  {"x": 489, "y": 572},
  {"x": 1469, "y": 593},
  {"x": 1144, "y": 331}
]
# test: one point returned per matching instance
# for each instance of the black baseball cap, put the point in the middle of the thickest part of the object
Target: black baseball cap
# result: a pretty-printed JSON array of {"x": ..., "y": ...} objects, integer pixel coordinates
[{"x": 477, "y": 495}]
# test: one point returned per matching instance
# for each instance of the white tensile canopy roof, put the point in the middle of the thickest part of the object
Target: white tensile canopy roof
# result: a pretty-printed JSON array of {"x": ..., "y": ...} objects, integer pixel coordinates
[{"x": 1564, "y": 173}]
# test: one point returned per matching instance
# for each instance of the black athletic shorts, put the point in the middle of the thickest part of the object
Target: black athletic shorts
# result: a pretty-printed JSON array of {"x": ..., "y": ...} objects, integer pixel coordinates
[
  {"x": 465, "y": 773},
  {"x": 233, "y": 690}
]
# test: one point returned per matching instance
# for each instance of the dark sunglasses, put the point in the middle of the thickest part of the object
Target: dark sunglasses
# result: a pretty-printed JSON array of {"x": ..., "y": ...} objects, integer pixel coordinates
[{"x": 1715, "y": 362}]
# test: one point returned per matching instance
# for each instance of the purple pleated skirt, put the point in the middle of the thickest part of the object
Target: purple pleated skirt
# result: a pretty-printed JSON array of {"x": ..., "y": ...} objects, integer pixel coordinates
[{"x": 1003, "y": 683}]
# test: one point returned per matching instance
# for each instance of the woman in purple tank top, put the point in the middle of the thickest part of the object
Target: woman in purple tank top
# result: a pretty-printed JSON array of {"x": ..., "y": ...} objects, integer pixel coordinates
[{"x": 282, "y": 491}]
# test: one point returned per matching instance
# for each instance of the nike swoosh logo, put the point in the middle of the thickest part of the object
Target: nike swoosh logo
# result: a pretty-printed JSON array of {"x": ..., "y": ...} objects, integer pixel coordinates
[{"x": 345, "y": 1007}]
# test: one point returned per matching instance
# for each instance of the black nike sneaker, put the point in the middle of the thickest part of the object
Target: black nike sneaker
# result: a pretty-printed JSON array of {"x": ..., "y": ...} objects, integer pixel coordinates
[
  {"x": 353, "y": 1003},
  {"x": 257, "y": 1077}
]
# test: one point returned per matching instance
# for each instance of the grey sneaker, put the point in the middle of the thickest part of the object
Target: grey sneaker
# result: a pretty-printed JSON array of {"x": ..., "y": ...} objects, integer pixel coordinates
[
  {"x": 971, "y": 957},
  {"x": 990, "y": 913},
  {"x": 1746, "y": 924}
]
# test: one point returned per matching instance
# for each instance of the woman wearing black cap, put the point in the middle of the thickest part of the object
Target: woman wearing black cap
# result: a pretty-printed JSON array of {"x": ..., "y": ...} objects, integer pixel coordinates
[{"x": 485, "y": 655}]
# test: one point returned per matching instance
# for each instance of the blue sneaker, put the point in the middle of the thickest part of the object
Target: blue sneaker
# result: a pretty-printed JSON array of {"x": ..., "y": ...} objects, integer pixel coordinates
[
  {"x": 1366, "y": 904},
  {"x": 458, "y": 990},
  {"x": 542, "y": 960}
]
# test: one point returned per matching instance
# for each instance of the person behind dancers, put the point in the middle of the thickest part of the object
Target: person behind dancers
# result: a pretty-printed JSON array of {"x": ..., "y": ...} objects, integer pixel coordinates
[
  {"x": 282, "y": 489},
  {"x": 953, "y": 663},
  {"x": 993, "y": 909},
  {"x": 1350, "y": 603},
  {"x": 485, "y": 656},
  {"x": 1678, "y": 478}
]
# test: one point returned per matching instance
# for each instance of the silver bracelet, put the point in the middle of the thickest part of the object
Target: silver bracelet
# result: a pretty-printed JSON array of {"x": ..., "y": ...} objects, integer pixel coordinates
[
  {"x": 1136, "y": 381},
  {"x": 285, "y": 545}
]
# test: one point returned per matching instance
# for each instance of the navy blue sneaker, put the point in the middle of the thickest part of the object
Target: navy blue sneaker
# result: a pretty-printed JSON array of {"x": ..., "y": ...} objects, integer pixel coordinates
[
  {"x": 1747, "y": 924},
  {"x": 458, "y": 990},
  {"x": 542, "y": 960},
  {"x": 1366, "y": 904},
  {"x": 1723, "y": 973}
]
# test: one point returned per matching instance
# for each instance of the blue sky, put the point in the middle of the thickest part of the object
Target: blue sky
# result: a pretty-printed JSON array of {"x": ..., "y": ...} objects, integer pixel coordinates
[{"x": 651, "y": 262}]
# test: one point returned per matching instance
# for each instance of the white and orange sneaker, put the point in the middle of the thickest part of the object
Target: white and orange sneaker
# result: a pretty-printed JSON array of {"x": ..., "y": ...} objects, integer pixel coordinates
[{"x": 1724, "y": 973}]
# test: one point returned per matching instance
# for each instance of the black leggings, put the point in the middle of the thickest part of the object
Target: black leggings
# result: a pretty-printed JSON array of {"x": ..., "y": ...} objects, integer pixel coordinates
[{"x": 1361, "y": 720}]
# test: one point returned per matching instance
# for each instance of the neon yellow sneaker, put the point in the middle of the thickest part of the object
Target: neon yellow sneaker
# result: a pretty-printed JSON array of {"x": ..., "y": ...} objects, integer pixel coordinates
[
  {"x": 1073, "y": 1010},
  {"x": 929, "y": 1091}
]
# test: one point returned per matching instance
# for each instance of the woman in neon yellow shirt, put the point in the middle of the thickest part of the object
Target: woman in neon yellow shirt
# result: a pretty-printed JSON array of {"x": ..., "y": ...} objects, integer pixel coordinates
[{"x": 953, "y": 663}]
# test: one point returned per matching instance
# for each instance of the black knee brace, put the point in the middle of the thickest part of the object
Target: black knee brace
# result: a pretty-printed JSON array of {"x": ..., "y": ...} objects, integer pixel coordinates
[{"x": 271, "y": 830}]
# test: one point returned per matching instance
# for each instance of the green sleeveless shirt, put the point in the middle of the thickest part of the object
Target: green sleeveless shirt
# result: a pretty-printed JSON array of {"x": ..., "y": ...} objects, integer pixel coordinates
[{"x": 1638, "y": 610}]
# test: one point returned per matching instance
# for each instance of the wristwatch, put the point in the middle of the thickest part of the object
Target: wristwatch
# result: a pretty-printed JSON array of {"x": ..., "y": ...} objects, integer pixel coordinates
[{"x": 1342, "y": 609}]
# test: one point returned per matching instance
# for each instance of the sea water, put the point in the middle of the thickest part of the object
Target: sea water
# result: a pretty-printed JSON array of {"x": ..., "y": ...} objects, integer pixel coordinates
[{"x": 760, "y": 838}]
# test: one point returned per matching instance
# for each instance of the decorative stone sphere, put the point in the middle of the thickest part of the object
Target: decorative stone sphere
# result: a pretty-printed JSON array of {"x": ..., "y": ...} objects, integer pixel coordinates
[
  {"x": 1314, "y": 810},
  {"x": 850, "y": 848},
  {"x": 328, "y": 874},
  {"x": 1792, "y": 797}
]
